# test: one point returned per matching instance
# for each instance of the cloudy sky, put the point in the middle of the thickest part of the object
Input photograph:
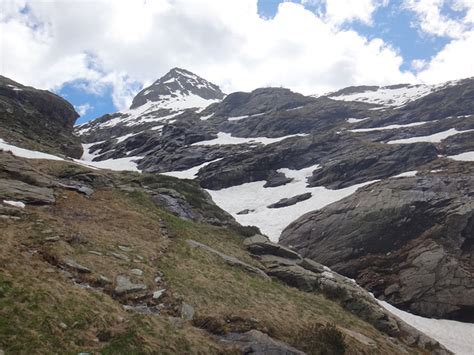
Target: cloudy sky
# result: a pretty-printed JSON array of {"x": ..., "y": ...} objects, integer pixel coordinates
[{"x": 99, "y": 53}]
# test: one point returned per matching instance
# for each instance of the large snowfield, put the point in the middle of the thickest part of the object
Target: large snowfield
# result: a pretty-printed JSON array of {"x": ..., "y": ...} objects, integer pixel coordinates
[{"x": 271, "y": 221}]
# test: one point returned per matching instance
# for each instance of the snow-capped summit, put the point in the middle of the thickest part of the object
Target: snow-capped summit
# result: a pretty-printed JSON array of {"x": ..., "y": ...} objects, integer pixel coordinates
[
  {"x": 158, "y": 104},
  {"x": 179, "y": 89}
]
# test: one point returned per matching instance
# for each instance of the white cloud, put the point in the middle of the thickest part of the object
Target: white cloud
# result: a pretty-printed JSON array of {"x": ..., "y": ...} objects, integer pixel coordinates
[
  {"x": 340, "y": 11},
  {"x": 123, "y": 44},
  {"x": 452, "y": 19},
  {"x": 83, "y": 109},
  {"x": 454, "y": 61},
  {"x": 437, "y": 17}
]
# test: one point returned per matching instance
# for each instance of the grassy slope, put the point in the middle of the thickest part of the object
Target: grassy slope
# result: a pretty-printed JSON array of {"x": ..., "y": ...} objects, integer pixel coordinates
[{"x": 42, "y": 311}]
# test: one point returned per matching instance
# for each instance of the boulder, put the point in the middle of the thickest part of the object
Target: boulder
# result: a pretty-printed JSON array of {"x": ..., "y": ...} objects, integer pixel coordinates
[
  {"x": 258, "y": 343},
  {"x": 285, "y": 202},
  {"x": 125, "y": 286},
  {"x": 259, "y": 244},
  {"x": 232, "y": 261}
]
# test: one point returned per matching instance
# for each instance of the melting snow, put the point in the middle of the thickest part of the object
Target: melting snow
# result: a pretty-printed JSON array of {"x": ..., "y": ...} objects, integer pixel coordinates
[
  {"x": 271, "y": 221},
  {"x": 226, "y": 138},
  {"x": 190, "y": 173},
  {"x": 456, "y": 336},
  {"x": 393, "y": 126},
  {"x": 406, "y": 174},
  {"x": 238, "y": 118},
  {"x": 205, "y": 118},
  {"x": 467, "y": 156},
  {"x": 125, "y": 137},
  {"x": 14, "y": 203},
  {"x": 390, "y": 96},
  {"x": 15, "y": 88},
  {"x": 26, "y": 153},
  {"x": 357, "y": 120},
  {"x": 434, "y": 138},
  {"x": 128, "y": 163}
]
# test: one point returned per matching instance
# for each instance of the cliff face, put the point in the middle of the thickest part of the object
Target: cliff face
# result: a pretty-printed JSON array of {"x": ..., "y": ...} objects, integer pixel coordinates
[{"x": 37, "y": 119}]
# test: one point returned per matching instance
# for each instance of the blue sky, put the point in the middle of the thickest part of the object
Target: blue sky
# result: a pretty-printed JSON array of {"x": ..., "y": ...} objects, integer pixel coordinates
[{"x": 310, "y": 46}]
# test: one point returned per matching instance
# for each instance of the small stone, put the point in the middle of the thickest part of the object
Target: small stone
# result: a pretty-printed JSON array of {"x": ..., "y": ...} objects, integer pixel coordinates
[
  {"x": 47, "y": 231},
  {"x": 95, "y": 252},
  {"x": 139, "y": 257},
  {"x": 52, "y": 239},
  {"x": 104, "y": 280},
  {"x": 187, "y": 311},
  {"x": 158, "y": 279},
  {"x": 77, "y": 239},
  {"x": 120, "y": 256},
  {"x": 137, "y": 272},
  {"x": 158, "y": 294},
  {"x": 124, "y": 285},
  {"x": 124, "y": 248},
  {"x": 78, "y": 267},
  {"x": 63, "y": 325}
]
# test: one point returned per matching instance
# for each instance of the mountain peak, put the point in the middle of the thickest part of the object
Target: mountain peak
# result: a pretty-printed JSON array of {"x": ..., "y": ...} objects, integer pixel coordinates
[{"x": 178, "y": 84}]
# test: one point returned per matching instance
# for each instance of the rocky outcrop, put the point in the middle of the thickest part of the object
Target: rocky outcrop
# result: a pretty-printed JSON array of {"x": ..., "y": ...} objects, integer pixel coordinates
[
  {"x": 285, "y": 202},
  {"x": 232, "y": 261},
  {"x": 21, "y": 191},
  {"x": 36, "y": 118},
  {"x": 409, "y": 240},
  {"x": 258, "y": 343},
  {"x": 310, "y": 276}
]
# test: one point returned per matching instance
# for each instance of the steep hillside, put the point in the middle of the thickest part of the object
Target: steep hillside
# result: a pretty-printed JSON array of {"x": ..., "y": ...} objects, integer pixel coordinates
[
  {"x": 124, "y": 262},
  {"x": 37, "y": 119}
]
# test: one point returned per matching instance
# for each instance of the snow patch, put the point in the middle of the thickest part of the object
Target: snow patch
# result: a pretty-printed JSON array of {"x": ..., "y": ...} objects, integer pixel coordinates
[
  {"x": 125, "y": 137},
  {"x": 14, "y": 203},
  {"x": 467, "y": 156},
  {"x": 357, "y": 120},
  {"x": 387, "y": 96},
  {"x": 406, "y": 174},
  {"x": 434, "y": 138},
  {"x": 26, "y": 153},
  {"x": 190, "y": 173},
  {"x": 226, "y": 138},
  {"x": 393, "y": 126},
  {"x": 455, "y": 336}
]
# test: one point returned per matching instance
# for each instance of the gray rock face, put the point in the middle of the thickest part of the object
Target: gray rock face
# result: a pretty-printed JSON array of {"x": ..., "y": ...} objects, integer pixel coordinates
[
  {"x": 175, "y": 205},
  {"x": 17, "y": 190},
  {"x": 409, "y": 240},
  {"x": 32, "y": 118},
  {"x": 258, "y": 343}
]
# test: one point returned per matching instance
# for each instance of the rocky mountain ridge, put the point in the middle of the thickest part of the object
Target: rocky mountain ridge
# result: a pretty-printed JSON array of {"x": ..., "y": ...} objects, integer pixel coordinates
[{"x": 257, "y": 141}]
